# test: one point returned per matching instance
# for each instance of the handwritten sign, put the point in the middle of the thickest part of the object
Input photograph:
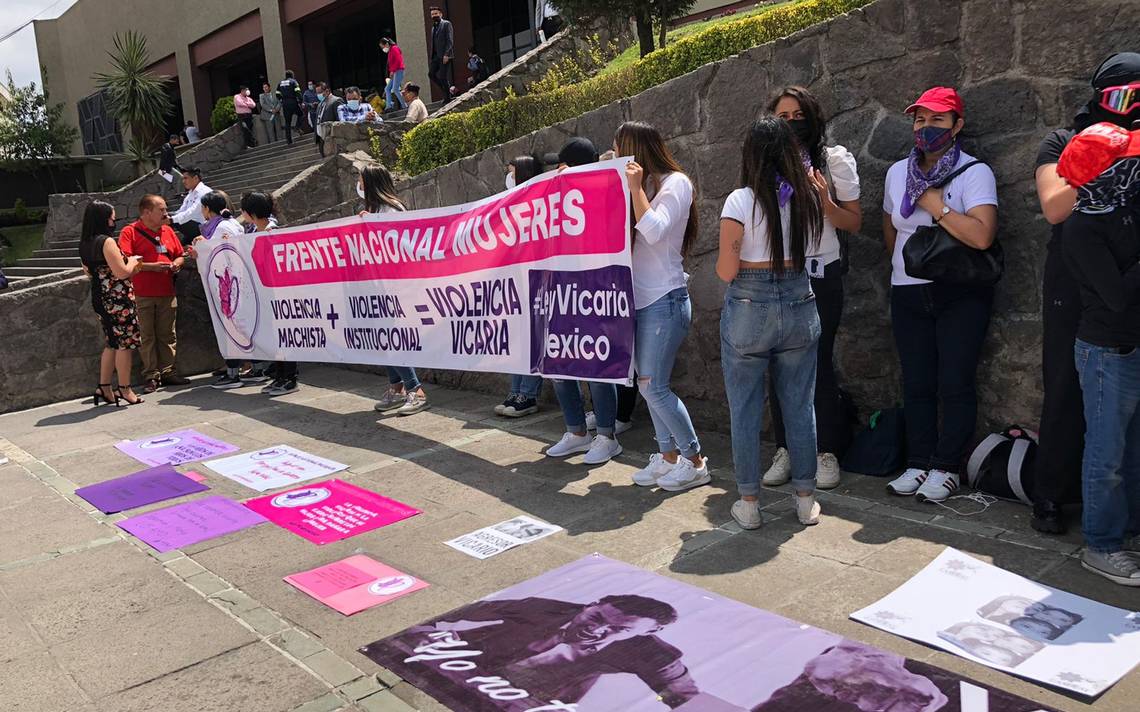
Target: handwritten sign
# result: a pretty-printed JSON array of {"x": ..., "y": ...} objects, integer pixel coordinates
[
  {"x": 279, "y": 466},
  {"x": 330, "y": 511},
  {"x": 356, "y": 583},
  {"x": 190, "y": 522}
]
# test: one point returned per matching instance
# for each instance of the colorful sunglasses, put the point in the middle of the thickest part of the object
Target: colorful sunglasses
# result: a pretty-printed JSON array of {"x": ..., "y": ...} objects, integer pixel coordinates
[{"x": 1122, "y": 99}]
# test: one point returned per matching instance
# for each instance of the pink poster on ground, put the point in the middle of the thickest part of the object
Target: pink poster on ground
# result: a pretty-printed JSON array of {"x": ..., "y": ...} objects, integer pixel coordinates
[
  {"x": 353, "y": 584},
  {"x": 330, "y": 511}
]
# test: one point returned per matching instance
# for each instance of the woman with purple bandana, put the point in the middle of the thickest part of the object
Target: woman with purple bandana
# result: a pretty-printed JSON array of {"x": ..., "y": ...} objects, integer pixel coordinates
[{"x": 939, "y": 327}]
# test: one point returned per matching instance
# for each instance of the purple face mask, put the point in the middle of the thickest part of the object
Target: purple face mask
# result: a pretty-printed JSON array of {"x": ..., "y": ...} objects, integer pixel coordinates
[{"x": 933, "y": 139}]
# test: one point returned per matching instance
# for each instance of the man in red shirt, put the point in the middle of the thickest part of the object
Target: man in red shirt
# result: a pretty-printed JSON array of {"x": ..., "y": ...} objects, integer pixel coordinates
[{"x": 151, "y": 238}]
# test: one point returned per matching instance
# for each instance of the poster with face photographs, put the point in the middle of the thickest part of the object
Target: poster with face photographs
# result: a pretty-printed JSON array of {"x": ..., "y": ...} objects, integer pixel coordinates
[{"x": 997, "y": 618}]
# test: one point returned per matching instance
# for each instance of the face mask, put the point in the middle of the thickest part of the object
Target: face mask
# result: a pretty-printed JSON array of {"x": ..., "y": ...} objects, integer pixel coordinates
[
  {"x": 320, "y": 96},
  {"x": 801, "y": 129},
  {"x": 933, "y": 139},
  {"x": 510, "y": 180},
  {"x": 435, "y": 20},
  {"x": 245, "y": 93},
  {"x": 385, "y": 50},
  {"x": 354, "y": 104},
  {"x": 310, "y": 87},
  {"x": 360, "y": 191}
]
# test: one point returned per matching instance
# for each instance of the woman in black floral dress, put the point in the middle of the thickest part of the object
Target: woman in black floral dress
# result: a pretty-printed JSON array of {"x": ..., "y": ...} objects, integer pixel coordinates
[{"x": 113, "y": 298}]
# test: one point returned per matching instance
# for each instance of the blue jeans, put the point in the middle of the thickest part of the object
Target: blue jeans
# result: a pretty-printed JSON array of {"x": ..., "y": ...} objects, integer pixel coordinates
[
  {"x": 526, "y": 386},
  {"x": 604, "y": 396},
  {"x": 769, "y": 318},
  {"x": 405, "y": 375},
  {"x": 392, "y": 95},
  {"x": 661, "y": 327},
  {"x": 1110, "y": 472}
]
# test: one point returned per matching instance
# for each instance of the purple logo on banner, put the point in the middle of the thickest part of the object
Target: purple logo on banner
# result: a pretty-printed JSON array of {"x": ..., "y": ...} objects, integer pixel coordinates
[{"x": 582, "y": 323}]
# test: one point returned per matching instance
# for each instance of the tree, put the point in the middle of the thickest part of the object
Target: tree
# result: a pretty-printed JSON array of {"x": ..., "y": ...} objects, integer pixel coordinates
[
  {"x": 138, "y": 98},
  {"x": 643, "y": 12},
  {"x": 31, "y": 127}
]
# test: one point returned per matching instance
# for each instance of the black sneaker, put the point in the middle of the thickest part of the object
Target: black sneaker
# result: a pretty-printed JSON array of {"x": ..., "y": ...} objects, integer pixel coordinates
[
  {"x": 225, "y": 383},
  {"x": 280, "y": 388},
  {"x": 1048, "y": 517},
  {"x": 254, "y": 377},
  {"x": 520, "y": 407},
  {"x": 508, "y": 403}
]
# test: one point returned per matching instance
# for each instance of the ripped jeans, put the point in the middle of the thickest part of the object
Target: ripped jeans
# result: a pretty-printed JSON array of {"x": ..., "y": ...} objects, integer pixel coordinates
[{"x": 661, "y": 327}]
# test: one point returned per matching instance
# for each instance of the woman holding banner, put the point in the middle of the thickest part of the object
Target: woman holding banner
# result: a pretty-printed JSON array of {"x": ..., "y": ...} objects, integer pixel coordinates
[
  {"x": 767, "y": 228},
  {"x": 665, "y": 225},
  {"x": 405, "y": 395}
]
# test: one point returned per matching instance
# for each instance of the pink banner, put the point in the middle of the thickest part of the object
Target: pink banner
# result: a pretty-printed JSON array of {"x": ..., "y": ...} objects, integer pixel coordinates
[{"x": 330, "y": 511}]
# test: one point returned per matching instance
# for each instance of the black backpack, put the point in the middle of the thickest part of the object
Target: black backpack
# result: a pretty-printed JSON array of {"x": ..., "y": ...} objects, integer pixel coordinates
[
  {"x": 880, "y": 448},
  {"x": 1002, "y": 464}
]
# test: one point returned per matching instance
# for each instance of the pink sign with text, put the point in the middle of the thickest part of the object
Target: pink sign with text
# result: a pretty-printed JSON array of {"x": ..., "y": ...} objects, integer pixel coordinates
[
  {"x": 330, "y": 511},
  {"x": 356, "y": 583}
]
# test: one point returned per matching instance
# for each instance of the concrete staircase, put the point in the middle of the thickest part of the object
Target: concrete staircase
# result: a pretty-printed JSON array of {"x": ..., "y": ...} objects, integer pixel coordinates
[{"x": 58, "y": 257}]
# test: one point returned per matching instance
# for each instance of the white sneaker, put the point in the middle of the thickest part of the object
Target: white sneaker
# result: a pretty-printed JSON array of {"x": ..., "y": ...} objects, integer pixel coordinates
[
  {"x": 685, "y": 475},
  {"x": 602, "y": 450},
  {"x": 826, "y": 471},
  {"x": 807, "y": 510},
  {"x": 780, "y": 471},
  {"x": 657, "y": 468},
  {"x": 591, "y": 420},
  {"x": 937, "y": 487},
  {"x": 569, "y": 445},
  {"x": 414, "y": 403},
  {"x": 908, "y": 482},
  {"x": 747, "y": 514}
]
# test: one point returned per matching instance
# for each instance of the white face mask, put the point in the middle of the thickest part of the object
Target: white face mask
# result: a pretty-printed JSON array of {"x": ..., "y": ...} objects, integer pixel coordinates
[
  {"x": 510, "y": 180},
  {"x": 360, "y": 191},
  {"x": 385, "y": 50},
  {"x": 245, "y": 93}
]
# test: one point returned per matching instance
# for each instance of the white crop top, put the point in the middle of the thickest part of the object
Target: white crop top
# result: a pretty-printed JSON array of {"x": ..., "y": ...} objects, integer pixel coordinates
[{"x": 741, "y": 207}]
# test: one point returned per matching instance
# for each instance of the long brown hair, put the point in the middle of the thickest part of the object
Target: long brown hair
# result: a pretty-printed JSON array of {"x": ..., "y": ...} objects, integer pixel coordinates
[
  {"x": 645, "y": 144},
  {"x": 771, "y": 152},
  {"x": 379, "y": 189}
]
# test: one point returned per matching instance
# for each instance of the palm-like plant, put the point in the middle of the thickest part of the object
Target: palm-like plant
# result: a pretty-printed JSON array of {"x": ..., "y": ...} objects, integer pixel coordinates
[{"x": 138, "y": 98}]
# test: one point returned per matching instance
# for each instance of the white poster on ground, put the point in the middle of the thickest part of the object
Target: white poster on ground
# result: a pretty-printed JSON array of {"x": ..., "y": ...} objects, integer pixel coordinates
[
  {"x": 280, "y": 466},
  {"x": 488, "y": 541},
  {"x": 997, "y": 618}
]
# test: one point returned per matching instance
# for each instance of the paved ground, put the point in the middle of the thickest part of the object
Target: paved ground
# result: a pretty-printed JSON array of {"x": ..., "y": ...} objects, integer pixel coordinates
[{"x": 92, "y": 620}]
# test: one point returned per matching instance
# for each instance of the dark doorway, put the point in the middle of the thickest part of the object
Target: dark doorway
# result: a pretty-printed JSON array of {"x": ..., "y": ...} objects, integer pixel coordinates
[
  {"x": 352, "y": 44},
  {"x": 175, "y": 120},
  {"x": 503, "y": 31},
  {"x": 242, "y": 66}
]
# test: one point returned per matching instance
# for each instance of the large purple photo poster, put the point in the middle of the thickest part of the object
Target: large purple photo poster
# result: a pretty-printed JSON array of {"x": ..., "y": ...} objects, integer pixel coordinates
[{"x": 598, "y": 635}]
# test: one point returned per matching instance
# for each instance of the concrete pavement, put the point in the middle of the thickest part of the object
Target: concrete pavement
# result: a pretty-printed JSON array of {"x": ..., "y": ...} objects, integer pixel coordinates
[{"x": 91, "y": 619}]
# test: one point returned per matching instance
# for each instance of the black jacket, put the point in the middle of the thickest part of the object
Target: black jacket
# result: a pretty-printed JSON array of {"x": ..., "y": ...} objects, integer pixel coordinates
[
  {"x": 1103, "y": 253},
  {"x": 442, "y": 41},
  {"x": 289, "y": 92},
  {"x": 328, "y": 108},
  {"x": 168, "y": 159}
]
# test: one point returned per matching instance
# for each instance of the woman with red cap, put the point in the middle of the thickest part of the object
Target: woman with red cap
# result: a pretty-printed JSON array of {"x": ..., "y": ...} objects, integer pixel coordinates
[{"x": 939, "y": 327}]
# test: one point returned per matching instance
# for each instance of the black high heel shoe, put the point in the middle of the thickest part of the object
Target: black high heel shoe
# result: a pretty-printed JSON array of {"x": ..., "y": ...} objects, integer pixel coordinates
[
  {"x": 101, "y": 394},
  {"x": 119, "y": 394}
]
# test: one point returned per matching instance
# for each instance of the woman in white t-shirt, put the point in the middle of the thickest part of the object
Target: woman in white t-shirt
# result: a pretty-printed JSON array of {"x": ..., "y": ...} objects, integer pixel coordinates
[
  {"x": 767, "y": 229},
  {"x": 665, "y": 225},
  {"x": 836, "y": 179},
  {"x": 939, "y": 327}
]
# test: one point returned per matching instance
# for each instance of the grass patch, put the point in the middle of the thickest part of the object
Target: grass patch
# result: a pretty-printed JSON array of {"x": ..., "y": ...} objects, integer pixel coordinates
[
  {"x": 633, "y": 52},
  {"x": 24, "y": 240}
]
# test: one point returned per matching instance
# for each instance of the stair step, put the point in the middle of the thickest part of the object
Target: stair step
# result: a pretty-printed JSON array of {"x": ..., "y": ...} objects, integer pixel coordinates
[
  {"x": 72, "y": 244},
  {"x": 32, "y": 271},
  {"x": 55, "y": 262},
  {"x": 305, "y": 141},
  {"x": 56, "y": 252},
  {"x": 257, "y": 170}
]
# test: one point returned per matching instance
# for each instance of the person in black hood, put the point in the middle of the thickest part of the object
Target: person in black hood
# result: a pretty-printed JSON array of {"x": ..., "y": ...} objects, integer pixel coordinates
[{"x": 1062, "y": 425}]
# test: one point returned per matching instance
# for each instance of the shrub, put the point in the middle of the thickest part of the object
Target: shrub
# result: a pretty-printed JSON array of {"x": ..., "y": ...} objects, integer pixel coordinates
[
  {"x": 224, "y": 115},
  {"x": 453, "y": 136},
  {"x": 20, "y": 210},
  {"x": 577, "y": 67}
]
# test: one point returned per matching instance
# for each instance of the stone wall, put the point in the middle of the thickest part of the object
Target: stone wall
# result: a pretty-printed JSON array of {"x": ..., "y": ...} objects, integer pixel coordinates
[
  {"x": 350, "y": 138},
  {"x": 65, "y": 210},
  {"x": 320, "y": 188},
  {"x": 1006, "y": 57}
]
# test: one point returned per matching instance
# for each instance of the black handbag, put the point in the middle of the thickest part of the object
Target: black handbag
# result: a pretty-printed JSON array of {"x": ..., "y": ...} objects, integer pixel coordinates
[{"x": 934, "y": 254}]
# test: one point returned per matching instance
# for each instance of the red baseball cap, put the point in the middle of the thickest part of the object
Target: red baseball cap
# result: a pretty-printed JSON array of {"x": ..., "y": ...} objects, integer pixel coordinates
[
  {"x": 1094, "y": 150},
  {"x": 939, "y": 99}
]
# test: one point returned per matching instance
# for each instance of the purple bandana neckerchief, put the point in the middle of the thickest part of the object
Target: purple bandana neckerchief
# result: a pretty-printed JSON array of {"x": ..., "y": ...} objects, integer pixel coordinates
[
  {"x": 917, "y": 182},
  {"x": 784, "y": 189},
  {"x": 210, "y": 225}
]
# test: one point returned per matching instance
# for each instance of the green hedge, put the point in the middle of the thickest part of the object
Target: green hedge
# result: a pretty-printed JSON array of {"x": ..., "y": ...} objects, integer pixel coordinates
[
  {"x": 438, "y": 142},
  {"x": 224, "y": 114}
]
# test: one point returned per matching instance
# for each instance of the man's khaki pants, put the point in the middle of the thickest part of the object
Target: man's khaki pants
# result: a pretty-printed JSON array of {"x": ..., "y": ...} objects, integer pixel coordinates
[{"x": 156, "y": 323}]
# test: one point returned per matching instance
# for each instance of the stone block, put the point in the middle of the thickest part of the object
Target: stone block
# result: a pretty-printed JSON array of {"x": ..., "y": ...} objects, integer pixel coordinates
[
  {"x": 797, "y": 62},
  {"x": 332, "y": 668},
  {"x": 851, "y": 129},
  {"x": 1001, "y": 107},
  {"x": 932, "y": 23},
  {"x": 49, "y": 527},
  {"x": 296, "y": 643},
  {"x": 891, "y": 139},
  {"x": 895, "y": 86},
  {"x": 359, "y": 689},
  {"x": 384, "y": 701},
  {"x": 600, "y": 124},
  {"x": 742, "y": 85},
  {"x": 35, "y": 682},
  {"x": 1106, "y": 24},
  {"x": 987, "y": 44},
  {"x": 847, "y": 44}
]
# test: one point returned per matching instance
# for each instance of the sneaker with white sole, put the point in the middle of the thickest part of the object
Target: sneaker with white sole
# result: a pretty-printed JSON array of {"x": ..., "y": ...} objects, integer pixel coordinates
[
  {"x": 780, "y": 471},
  {"x": 271, "y": 385},
  {"x": 747, "y": 514},
  {"x": 807, "y": 510},
  {"x": 603, "y": 449},
  {"x": 255, "y": 376},
  {"x": 658, "y": 467},
  {"x": 826, "y": 471},
  {"x": 685, "y": 475},
  {"x": 908, "y": 482},
  {"x": 391, "y": 400},
  {"x": 521, "y": 407},
  {"x": 282, "y": 387},
  {"x": 1119, "y": 567},
  {"x": 570, "y": 444},
  {"x": 502, "y": 406},
  {"x": 937, "y": 487},
  {"x": 414, "y": 403},
  {"x": 225, "y": 383}
]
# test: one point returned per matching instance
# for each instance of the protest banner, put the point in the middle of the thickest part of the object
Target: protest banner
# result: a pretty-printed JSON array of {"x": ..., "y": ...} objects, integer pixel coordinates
[
  {"x": 604, "y": 636},
  {"x": 175, "y": 448},
  {"x": 997, "y": 618},
  {"x": 190, "y": 522},
  {"x": 139, "y": 489},
  {"x": 532, "y": 280},
  {"x": 354, "y": 584},
  {"x": 497, "y": 538},
  {"x": 274, "y": 467},
  {"x": 330, "y": 511}
]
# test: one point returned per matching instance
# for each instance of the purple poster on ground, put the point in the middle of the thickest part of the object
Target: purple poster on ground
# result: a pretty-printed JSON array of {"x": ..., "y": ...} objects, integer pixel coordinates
[
  {"x": 139, "y": 489},
  {"x": 175, "y": 448},
  {"x": 601, "y": 636},
  {"x": 191, "y": 522}
]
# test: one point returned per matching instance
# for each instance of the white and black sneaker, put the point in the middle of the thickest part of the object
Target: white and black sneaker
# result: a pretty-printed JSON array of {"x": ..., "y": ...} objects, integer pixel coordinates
[
  {"x": 939, "y": 485},
  {"x": 282, "y": 386},
  {"x": 520, "y": 407},
  {"x": 255, "y": 376},
  {"x": 908, "y": 482},
  {"x": 508, "y": 402},
  {"x": 226, "y": 382}
]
